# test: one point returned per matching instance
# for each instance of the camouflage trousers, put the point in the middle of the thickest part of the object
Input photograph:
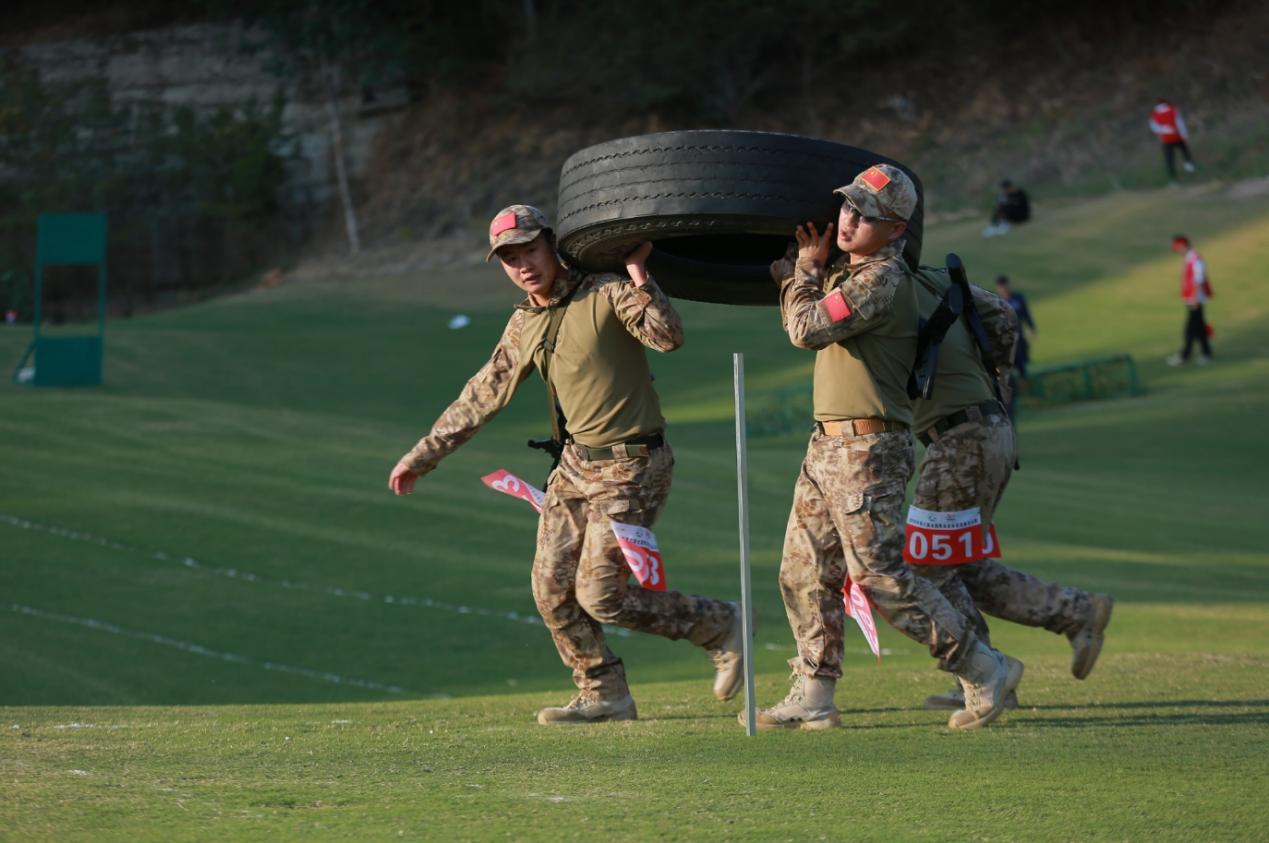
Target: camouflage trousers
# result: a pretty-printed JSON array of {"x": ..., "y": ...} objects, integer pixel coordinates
[
  {"x": 847, "y": 517},
  {"x": 581, "y": 580},
  {"x": 969, "y": 466}
]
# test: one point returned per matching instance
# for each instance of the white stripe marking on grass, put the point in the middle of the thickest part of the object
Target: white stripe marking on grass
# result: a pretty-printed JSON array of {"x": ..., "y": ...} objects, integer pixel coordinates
[
  {"x": 247, "y": 576},
  {"x": 334, "y": 591},
  {"x": 200, "y": 650}
]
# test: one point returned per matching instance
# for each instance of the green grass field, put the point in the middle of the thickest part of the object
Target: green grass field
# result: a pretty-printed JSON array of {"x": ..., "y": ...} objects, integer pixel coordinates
[{"x": 217, "y": 623}]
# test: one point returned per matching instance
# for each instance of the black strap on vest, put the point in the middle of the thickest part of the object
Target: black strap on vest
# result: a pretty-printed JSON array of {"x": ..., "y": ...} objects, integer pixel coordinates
[
  {"x": 957, "y": 302},
  {"x": 559, "y": 425}
]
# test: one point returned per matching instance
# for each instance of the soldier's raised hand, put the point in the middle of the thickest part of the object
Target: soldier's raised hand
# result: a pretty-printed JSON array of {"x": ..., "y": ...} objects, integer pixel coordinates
[
  {"x": 402, "y": 479},
  {"x": 635, "y": 263},
  {"x": 812, "y": 245},
  {"x": 782, "y": 268}
]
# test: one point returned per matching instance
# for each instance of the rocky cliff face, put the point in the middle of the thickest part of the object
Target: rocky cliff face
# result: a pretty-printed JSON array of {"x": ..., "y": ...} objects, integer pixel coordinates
[{"x": 210, "y": 66}]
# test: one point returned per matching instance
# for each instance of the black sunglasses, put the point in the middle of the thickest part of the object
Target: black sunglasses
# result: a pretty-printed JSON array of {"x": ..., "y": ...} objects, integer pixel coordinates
[{"x": 851, "y": 209}]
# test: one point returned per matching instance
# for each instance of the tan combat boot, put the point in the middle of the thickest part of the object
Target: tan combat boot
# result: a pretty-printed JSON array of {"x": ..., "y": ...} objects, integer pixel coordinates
[
  {"x": 987, "y": 677},
  {"x": 729, "y": 659},
  {"x": 809, "y": 705},
  {"x": 954, "y": 700},
  {"x": 588, "y": 708},
  {"x": 1086, "y": 642}
]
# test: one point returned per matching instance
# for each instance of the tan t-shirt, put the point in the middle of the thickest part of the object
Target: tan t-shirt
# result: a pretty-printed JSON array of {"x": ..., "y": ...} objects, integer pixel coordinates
[
  {"x": 861, "y": 319},
  {"x": 599, "y": 368}
]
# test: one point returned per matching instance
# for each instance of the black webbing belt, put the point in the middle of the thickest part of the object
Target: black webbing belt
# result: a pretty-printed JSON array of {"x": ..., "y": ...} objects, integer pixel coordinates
[
  {"x": 984, "y": 410},
  {"x": 639, "y": 446}
]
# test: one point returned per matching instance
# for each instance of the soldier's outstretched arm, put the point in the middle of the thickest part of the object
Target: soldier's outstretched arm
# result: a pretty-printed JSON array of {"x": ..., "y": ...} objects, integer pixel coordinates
[
  {"x": 643, "y": 307},
  {"x": 484, "y": 395}
]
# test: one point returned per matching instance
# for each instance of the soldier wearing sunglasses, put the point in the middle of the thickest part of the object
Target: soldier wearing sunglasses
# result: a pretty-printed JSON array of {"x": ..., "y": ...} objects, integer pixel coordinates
[{"x": 860, "y": 316}]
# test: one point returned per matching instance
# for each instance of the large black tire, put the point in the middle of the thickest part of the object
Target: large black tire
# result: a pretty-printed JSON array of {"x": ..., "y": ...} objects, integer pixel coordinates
[{"x": 718, "y": 205}]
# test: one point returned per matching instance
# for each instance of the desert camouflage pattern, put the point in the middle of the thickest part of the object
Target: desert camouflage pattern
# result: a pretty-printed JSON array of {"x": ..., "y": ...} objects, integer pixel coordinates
[
  {"x": 1001, "y": 324},
  {"x": 968, "y": 466},
  {"x": 869, "y": 287},
  {"x": 581, "y": 580},
  {"x": 883, "y": 191},
  {"x": 848, "y": 517},
  {"x": 645, "y": 312},
  {"x": 515, "y": 224}
]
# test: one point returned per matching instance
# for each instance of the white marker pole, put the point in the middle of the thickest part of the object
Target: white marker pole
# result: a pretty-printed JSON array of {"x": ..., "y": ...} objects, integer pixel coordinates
[{"x": 742, "y": 491}]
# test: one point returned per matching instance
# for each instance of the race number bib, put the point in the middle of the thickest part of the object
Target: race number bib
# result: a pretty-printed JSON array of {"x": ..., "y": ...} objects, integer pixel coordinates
[
  {"x": 992, "y": 550},
  {"x": 946, "y": 538},
  {"x": 507, "y": 483},
  {"x": 639, "y": 546},
  {"x": 859, "y": 608}
]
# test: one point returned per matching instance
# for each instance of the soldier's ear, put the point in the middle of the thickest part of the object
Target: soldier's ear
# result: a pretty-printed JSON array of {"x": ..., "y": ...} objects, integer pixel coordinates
[{"x": 897, "y": 231}]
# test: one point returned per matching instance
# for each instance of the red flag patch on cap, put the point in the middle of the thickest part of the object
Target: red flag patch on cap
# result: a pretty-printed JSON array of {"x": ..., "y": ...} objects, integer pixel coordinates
[
  {"x": 875, "y": 179},
  {"x": 506, "y": 222}
]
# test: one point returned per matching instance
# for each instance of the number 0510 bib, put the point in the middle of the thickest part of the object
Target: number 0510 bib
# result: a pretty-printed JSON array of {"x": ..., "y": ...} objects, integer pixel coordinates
[{"x": 947, "y": 538}]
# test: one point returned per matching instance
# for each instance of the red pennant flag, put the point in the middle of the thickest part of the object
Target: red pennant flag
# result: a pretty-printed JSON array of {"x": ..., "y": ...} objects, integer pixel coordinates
[
  {"x": 639, "y": 546},
  {"x": 860, "y": 608},
  {"x": 507, "y": 483}
]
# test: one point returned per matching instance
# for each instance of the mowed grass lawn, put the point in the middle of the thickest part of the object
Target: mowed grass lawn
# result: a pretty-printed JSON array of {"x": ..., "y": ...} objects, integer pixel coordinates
[{"x": 217, "y": 623}]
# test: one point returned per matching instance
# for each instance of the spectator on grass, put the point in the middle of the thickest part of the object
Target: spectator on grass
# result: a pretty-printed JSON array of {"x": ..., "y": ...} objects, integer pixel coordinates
[
  {"x": 1195, "y": 289},
  {"x": 1012, "y": 207},
  {"x": 1166, "y": 123},
  {"x": 1022, "y": 355}
]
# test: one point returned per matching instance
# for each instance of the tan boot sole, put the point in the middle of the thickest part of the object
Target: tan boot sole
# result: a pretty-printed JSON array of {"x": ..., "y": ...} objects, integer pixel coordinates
[
  {"x": 942, "y": 702},
  {"x": 725, "y": 692},
  {"x": 1083, "y": 662},
  {"x": 729, "y": 691},
  {"x": 833, "y": 721},
  {"x": 629, "y": 714},
  {"x": 1011, "y": 684}
]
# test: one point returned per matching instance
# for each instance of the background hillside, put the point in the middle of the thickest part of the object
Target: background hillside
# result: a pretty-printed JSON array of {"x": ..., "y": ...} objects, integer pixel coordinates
[
  {"x": 450, "y": 111},
  {"x": 218, "y": 622}
]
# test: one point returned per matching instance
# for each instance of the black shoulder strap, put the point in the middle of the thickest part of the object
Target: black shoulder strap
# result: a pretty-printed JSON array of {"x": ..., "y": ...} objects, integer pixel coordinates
[
  {"x": 930, "y": 335},
  {"x": 957, "y": 301},
  {"x": 957, "y": 270},
  {"x": 548, "y": 348}
]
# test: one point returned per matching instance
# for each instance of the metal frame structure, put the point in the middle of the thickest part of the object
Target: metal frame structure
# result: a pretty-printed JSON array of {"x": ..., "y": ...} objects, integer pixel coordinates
[{"x": 67, "y": 240}]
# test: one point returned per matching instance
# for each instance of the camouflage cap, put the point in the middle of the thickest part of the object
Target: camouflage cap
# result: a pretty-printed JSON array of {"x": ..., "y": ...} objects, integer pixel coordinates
[
  {"x": 515, "y": 224},
  {"x": 883, "y": 191}
]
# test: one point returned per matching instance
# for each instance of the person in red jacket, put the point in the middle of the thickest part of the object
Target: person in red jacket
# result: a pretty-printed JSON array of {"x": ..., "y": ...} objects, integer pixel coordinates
[
  {"x": 1195, "y": 289},
  {"x": 1166, "y": 122}
]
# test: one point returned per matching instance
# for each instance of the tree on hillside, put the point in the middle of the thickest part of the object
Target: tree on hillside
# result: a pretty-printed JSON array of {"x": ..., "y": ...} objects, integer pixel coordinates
[{"x": 337, "y": 44}]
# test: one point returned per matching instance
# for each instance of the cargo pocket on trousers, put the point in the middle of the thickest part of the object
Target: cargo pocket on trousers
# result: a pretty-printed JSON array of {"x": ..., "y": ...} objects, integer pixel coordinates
[
  {"x": 617, "y": 510},
  {"x": 870, "y": 516},
  {"x": 624, "y": 511}
]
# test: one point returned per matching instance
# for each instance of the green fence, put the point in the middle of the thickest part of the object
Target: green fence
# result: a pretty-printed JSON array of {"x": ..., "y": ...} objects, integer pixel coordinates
[{"x": 1113, "y": 376}]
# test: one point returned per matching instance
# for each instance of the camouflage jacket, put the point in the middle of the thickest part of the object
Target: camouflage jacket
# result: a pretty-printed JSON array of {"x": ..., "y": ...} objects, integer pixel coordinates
[
  {"x": 598, "y": 368},
  {"x": 861, "y": 319}
]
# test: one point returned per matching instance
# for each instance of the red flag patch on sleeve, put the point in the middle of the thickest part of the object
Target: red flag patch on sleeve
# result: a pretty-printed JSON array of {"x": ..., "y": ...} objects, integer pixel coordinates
[
  {"x": 506, "y": 222},
  {"x": 835, "y": 306},
  {"x": 875, "y": 179}
]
